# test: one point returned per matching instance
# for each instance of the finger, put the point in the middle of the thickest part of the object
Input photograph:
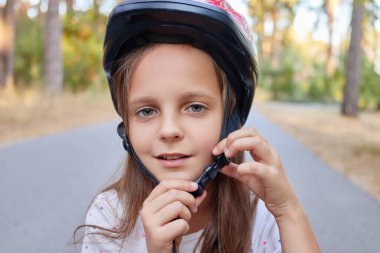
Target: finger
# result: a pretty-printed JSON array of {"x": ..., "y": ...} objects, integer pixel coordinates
[
  {"x": 170, "y": 196},
  {"x": 175, "y": 228},
  {"x": 258, "y": 148},
  {"x": 261, "y": 171},
  {"x": 240, "y": 173},
  {"x": 175, "y": 210},
  {"x": 230, "y": 170},
  {"x": 219, "y": 148},
  {"x": 241, "y": 133},
  {"x": 263, "y": 178},
  {"x": 165, "y": 235},
  {"x": 167, "y": 185}
]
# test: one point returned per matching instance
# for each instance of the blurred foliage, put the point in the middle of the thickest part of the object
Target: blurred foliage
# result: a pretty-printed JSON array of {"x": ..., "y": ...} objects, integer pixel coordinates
[
  {"x": 283, "y": 83},
  {"x": 296, "y": 70},
  {"x": 82, "y": 47},
  {"x": 290, "y": 69},
  {"x": 280, "y": 81},
  {"x": 369, "y": 87},
  {"x": 29, "y": 49},
  {"x": 294, "y": 81}
]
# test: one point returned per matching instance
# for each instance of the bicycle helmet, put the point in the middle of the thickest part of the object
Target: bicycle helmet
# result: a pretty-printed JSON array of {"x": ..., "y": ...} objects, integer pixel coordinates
[{"x": 210, "y": 25}]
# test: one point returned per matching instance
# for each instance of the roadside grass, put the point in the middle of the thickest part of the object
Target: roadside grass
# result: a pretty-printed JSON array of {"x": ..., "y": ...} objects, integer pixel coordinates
[
  {"x": 28, "y": 113},
  {"x": 367, "y": 149}
]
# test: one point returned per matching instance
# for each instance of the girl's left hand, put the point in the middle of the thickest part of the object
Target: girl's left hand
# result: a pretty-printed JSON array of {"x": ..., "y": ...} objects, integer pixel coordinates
[{"x": 265, "y": 175}]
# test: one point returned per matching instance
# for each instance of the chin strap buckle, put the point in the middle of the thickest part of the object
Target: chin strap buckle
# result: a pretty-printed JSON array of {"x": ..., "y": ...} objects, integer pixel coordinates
[{"x": 209, "y": 173}]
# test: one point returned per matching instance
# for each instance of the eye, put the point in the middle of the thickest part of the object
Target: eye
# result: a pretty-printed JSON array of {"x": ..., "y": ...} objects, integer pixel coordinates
[
  {"x": 197, "y": 108},
  {"x": 146, "y": 112}
]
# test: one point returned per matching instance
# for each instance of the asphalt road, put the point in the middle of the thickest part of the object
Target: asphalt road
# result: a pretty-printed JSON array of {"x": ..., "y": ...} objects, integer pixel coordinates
[{"x": 47, "y": 183}]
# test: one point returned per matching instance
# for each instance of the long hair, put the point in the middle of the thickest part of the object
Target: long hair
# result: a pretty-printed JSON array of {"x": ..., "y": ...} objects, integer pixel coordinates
[{"x": 233, "y": 204}]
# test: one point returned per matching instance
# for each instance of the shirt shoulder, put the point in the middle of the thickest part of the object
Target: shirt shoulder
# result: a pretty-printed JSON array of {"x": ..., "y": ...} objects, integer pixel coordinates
[
  {"x": 265, "y": 236},
  {"x": 105, "y": 212}
]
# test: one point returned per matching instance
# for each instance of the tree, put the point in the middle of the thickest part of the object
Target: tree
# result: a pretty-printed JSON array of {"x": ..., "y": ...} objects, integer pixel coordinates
[
  {"x": 53, "y": 71},
  {"x": 96, "y": 6},
  {"x": 2, "y": 68},
  {"x": 277, "y": 13},
  {"x": 279, "y": 17},
  {"x": 69, "y": 6},
  {"x": 330, "y": 6},
  {"x": 7, "y": 23},
  {"x": 352, "y": 76}
]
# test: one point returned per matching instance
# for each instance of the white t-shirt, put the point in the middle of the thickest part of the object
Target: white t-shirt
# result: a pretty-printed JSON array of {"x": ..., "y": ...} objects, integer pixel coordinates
[{"x": 106, "y": 209}]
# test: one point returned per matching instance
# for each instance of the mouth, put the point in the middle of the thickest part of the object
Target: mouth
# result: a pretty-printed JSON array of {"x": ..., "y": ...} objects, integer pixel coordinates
[
  {"x": 173, "y": 160},
  {"x": 172, "y": 156}
]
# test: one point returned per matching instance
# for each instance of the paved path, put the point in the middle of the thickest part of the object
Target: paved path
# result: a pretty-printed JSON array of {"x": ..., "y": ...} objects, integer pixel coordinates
[
  {"x": 47, "y": 183},
  {"x": 344, "y": 218}
]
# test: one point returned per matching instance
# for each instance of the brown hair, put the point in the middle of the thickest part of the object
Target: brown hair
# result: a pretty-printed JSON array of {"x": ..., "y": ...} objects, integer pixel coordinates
[{"x": 230, "y": 228}]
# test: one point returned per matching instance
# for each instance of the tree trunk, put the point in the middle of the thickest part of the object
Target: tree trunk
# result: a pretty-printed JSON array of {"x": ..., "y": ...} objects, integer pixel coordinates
[
  {"x": 2, "y": 37},
  {"x": 96, "y": 6},
  {"x": 7, "y": 45},
  {"x": 330, "y": 10},
  {"x": 351, "y": 88},
  {"x": 256, "y": 10},
  {"x": 53, "y": 56},
  {"x": 276, "y": 39},
  {"x": 69, "y": 6}
]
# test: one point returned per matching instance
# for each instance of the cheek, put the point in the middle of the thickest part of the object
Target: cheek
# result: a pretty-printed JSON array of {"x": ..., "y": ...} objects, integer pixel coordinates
[
  {"x": 208, "y": 134},
  {"x": 139, "y": 136}
]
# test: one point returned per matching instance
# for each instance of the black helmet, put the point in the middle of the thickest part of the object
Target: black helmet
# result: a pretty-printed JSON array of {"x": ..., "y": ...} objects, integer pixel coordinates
[{"x": 210, "y": 25}]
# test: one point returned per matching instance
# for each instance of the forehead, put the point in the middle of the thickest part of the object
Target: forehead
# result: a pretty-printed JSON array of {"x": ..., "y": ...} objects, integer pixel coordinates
[{"x": 175, "y": 67}]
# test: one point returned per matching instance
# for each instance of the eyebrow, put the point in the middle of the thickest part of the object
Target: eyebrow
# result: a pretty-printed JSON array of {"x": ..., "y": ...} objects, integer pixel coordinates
[
  {"x": 185, "y": 95},
  {"x": 141, "y": 100},
  {"x": 197, "y": 94}
]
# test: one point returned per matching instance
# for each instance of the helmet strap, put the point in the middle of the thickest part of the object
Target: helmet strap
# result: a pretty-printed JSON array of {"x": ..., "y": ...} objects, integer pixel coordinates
[
  {"x": 231, "y": 122},
  {"x": 128, "y": 147}
]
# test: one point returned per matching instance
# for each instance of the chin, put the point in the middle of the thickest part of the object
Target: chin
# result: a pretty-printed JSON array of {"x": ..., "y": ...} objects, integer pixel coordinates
[{"x": 179, "y": 176}]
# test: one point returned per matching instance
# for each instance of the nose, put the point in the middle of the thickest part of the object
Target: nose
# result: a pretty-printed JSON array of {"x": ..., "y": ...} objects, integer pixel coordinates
[{"x": 171, "y": 129}]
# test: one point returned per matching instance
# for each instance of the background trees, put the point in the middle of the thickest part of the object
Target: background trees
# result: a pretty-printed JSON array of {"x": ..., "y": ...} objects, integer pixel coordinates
[
  {"x": 53, "y": 58},
  {"x": 39, "y": 39},
  {"x": 56, "y": 45},
  {"x": 351, "y": 87},
  {"x": 7, "y": 27},
  {"x": 316, "y": 69}
]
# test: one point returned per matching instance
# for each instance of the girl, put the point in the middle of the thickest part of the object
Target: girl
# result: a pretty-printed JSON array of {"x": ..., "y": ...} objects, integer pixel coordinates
[{"x": 182, "y": 75}]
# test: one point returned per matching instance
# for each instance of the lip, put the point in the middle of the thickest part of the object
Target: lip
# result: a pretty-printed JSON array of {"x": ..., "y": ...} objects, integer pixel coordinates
[{"x": 172, "y": 163}]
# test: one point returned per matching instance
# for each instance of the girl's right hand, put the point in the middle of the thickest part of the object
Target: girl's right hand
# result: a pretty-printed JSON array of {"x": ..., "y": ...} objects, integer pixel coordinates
[{"x": 166, "y": 212}]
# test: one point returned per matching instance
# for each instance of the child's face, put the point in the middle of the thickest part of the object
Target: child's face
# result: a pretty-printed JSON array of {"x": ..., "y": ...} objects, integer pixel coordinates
[{"x": 175, "y": 111}]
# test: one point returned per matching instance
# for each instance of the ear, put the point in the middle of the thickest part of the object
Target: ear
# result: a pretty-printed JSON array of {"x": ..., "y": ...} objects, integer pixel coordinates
[{"x": 121, "y": 133}]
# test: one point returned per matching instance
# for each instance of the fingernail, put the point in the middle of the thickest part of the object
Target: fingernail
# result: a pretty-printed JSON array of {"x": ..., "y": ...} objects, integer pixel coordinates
[{"x": 194, "y": 185}]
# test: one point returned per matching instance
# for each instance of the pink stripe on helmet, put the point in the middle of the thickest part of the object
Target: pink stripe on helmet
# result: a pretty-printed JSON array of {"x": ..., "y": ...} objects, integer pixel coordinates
[{"x": 239, "y": 19}]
